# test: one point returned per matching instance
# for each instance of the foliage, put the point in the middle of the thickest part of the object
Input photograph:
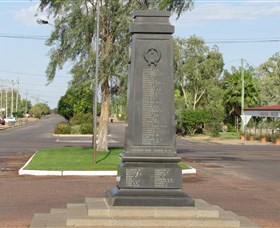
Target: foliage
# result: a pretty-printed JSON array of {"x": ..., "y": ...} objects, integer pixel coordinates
[
  {"x": 214, "y": 104},
  {"x": 197, "y": 69},
  {"x": 232, "y": 86},
  {"x": 65, "y": 108},
  {"x": 82, "y": 122},
  {"x": 62, "y": 128},
  {"x": 18, "y": 114},
  {"x": 39, "y": 110},
  {"x": 81, "y": 118},
  {"x": 71, "y": 41},
  {"x": 230, "y": 128},
  {"x": 269, "y": 78},
  {"x": 24, "y": 106},
  {"x": 75, "y": 100},
  {"x": 193, "y": 120}
]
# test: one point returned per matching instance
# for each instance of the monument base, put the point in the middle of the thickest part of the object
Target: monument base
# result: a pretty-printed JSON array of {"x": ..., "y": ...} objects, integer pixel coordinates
[
  {"x": 148, "y": 197},
  {"x": 95, "y": 212},
  {"x": 149, "y": 183}
]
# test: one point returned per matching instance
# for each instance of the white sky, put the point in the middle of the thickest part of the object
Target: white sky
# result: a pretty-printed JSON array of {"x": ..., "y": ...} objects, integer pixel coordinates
[{"x": 214, "y": 21}]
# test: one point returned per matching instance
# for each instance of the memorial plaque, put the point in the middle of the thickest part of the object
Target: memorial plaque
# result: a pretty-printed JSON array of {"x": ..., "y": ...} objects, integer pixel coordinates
[{"x": 148, "y": 174}]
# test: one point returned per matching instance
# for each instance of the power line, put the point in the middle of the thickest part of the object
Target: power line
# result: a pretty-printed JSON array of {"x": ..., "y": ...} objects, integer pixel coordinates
[
  {"x": 29, "y": 74},
  {"x": 243, "y": 41},
  {"x": 224, "y": 41},
  {"x": 24, "y": 37}
]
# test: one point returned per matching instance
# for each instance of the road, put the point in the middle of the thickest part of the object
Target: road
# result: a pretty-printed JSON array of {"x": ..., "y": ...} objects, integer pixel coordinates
[
  {"x": 30, "y": 137},
  {"x": 242, "y": 178}
]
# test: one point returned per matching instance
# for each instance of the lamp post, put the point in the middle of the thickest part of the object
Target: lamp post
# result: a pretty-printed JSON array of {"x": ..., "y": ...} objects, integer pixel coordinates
[
  {"x": 96, "y": 82},
  {"x": 45, "y": 22}
]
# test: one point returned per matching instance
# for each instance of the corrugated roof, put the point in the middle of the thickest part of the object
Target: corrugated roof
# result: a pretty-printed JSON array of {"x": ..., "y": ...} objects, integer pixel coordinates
[{"x": 265, "y": 108}]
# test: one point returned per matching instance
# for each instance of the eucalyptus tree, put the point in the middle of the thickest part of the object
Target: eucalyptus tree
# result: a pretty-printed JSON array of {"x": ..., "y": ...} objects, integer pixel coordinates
[
  {"x": 74, "y": 32},
  {"x": 197, "y": 69},
  {"x": 269, "y": 78}
]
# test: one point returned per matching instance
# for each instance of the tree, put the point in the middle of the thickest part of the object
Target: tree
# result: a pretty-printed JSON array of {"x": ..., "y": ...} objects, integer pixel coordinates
[
  {"x": 232, "y": 85},
  {"x": 71, "y": 41},
  {"x": 269, "y": 78},
  {"x": 77, "y": 99},
  {"x": 24, "y": 105},
  {"x": 39, "y": 110},
  {"x": 197, "y": 69}
]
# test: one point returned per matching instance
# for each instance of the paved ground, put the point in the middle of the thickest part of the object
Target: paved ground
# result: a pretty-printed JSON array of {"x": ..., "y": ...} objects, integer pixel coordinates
[
  {"x": 24, "y": 196},
  {"x": 225, "y": 178}
]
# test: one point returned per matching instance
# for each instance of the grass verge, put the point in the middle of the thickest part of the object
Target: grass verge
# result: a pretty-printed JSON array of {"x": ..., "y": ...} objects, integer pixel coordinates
[{"x": 77, "y": 159}]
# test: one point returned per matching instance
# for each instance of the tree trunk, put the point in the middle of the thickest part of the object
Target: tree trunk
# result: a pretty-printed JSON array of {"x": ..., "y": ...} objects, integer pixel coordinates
[{"x": 102, "y": 144}]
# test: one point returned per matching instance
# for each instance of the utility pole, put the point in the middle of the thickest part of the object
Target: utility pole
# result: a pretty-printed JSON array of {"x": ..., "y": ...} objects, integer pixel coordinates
[
  {"x": 17, "y": 95},
  {"x": 6, "y": 102},
  {"x": 242, "y": 98},
  {"x": 12, "y": 101},
  {"x": 25, "y": 111},
  {"x": 1, "y": 99}
]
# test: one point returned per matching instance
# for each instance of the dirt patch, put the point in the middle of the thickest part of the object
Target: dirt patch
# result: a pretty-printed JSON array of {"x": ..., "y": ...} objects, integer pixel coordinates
[
  {"x": 193, "y": 178},
  {"x": 11, "y": 164}
]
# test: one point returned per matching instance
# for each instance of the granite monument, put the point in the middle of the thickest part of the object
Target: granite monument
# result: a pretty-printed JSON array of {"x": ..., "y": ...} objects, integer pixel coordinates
[{"x": 149, "y": 174}]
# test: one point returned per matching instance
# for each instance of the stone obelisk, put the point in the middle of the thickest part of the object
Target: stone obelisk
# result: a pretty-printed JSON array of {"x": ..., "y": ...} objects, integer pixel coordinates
[{"x": 149, "y": 174}]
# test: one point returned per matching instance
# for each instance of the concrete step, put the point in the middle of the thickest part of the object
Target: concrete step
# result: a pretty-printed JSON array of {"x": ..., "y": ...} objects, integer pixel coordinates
[
  {"x": 57, "y": 218},
  {"x": 153, "y": 222},
  {"x": 97, "y": 207},
  {"x": 95, "y": 212},
  {"x": 244, "y": 222},
  {"x": 39, "y": 220}
]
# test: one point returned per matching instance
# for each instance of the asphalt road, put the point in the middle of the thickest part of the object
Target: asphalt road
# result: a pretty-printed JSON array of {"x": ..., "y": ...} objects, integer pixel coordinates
[{"x": 242, "y": 178}]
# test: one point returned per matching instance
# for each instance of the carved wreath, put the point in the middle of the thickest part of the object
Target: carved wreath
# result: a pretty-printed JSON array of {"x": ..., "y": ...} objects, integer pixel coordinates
[{"x": 152, "y": 56}]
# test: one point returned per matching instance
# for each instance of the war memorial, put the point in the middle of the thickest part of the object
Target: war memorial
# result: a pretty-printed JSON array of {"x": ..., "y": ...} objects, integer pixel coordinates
[{"x": 148, "y": 192}]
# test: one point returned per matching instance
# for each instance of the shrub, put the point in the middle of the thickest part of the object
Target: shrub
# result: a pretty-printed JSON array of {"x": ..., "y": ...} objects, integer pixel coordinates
[
  {"x": 193, "y": 119},
  {"x": 76, "y": 129},
  {"x": 215, "y": 129},
  {"x": 231, "y": 128},
  {"x": 86, "y": 128},
  {"x": 81, "y": 118},
  {"x": 121, "y": 117},
  {"x": 62, "y": 128}
]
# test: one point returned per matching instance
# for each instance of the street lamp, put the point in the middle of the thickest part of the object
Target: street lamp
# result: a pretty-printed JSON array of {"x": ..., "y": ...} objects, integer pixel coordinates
[
  {"x": 43, "y": 22},
  {"x": 96, "y": 82}
]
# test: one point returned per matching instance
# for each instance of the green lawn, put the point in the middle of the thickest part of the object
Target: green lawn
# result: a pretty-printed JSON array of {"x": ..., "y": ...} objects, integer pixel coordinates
[
  {"x": 229, "y": 135},
  {"x": 76, "y": 158}
]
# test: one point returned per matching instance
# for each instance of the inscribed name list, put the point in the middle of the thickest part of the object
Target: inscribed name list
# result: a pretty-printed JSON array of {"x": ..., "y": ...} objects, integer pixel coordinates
[{"x": 153, "y": 123}]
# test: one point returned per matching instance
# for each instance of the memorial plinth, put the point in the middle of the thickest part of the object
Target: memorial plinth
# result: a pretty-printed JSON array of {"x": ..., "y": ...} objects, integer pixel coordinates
[{"x": 149, "y": 174}]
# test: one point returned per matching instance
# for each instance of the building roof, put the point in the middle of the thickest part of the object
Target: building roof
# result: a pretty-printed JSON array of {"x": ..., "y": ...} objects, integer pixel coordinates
[{"x": 265, "y": 108}]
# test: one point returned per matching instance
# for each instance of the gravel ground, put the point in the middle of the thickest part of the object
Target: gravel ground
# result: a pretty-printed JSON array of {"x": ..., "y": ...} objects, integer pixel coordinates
[{"x": 21, "y": 197}]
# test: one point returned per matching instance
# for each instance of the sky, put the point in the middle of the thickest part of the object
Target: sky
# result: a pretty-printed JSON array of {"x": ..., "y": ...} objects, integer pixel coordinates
[{"x": 247, "y": 29}]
